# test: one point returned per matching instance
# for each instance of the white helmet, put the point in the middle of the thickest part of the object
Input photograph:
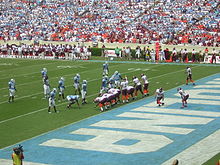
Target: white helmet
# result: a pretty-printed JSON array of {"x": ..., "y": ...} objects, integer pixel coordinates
[
  {"x": 12, "y": 80},
  {"x": 116, "y": 72},
  {"x": 106, "y": 62},
  {"x": 61, "y": 78},
  {"x": 84, "y": 82},
  {"x": 77, "y": 96},
  {"x": 45, "y": 69},
  {"x": 77, "y": 75},
  {"x": 54, "y": 89}
]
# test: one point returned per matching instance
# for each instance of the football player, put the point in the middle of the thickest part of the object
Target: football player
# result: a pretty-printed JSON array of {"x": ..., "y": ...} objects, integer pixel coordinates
[
  {"x": 61, "y": 88},
  {"x": 12, "y": 90},
  {"x": 184, "y": 97},
  {"x": 72, "y": 99},
  {"x": 117, "y": 78},
  {"x": 146, "y": 84},
  {"x": 46, "y": 87},
  {"x": 159, "y": 94},
  {"x": 189, "y": 76},
  {"x": 105, "y": 69},
  {"x": 84, "y": 91},
  {"x": 124, "y": 85},
  {"x": 52, "y": 100},
  {"x": 44, "y": 73},
  {"x": 104, "y": 86},
  {"x": 130, "y": 92},
  {"x": 76, "y": 80},
  {"x": 137, "y": 86}
]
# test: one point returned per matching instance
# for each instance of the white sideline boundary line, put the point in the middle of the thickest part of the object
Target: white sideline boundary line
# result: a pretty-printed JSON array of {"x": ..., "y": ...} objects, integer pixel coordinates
[{"x": 84, "y": 119}]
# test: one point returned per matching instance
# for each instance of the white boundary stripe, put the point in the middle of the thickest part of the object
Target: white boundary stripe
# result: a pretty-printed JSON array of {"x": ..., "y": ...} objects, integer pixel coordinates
[
  {"x": 81, "y": 120},
  {"x": 200, "y": 152}
]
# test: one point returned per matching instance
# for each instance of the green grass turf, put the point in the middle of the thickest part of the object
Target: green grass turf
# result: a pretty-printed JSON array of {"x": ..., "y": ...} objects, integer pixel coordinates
[{"x": 27, "y": 116}]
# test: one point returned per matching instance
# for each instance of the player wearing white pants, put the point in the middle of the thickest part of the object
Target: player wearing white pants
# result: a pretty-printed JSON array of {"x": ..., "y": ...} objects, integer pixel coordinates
[
  {"x": 84, "y": 91},
  {"x": 52, "y": 100},
  {"x": 12, "y": 89}
]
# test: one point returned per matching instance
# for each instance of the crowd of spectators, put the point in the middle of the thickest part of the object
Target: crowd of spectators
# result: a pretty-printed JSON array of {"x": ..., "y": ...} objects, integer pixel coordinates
[{"x": 134, "y": 21}]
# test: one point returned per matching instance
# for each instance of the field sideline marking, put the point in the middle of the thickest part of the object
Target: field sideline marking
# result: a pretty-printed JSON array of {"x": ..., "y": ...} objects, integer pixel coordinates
[
  {"x": 3, "y": 121},
  {"x": 81, "y": 119}
]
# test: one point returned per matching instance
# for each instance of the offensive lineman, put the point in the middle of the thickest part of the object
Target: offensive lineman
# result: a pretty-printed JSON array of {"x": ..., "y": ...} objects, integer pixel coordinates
[
  {"x": 137, "y": 86},
  {"x": 159, "y": 96},
  {"x": 12, "y": 89},
  {"x": 189, "y": 75},
  {"x": 184, "y": 97},
  {"x": 61, "y": 88},
  {"x": 76, "y": 80},
  {"x": 84, "y": 91},
  {"x": 52, "y": 100},
  {"x": 146, "y": 84},
  {"x": 124, "y": 85}
]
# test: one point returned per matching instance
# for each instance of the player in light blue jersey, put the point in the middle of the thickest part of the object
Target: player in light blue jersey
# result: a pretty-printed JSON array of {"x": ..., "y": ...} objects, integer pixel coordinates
[
  {"x": 44, "y": 73},
  {"x": 84, "y": 91},
  {"x": 76, "y": 83},
  {"x": 117, "y": 78},
  {"x": 12, "y": 90},
  {"x": 52, "y": 100},
  {"x": 72, "y": 99},
  {"x": 46, "y": 87},
  {"x": 105, "y": 69},
  {"x": 104, "y": 86},
  {"x": 61, "y": 88}
]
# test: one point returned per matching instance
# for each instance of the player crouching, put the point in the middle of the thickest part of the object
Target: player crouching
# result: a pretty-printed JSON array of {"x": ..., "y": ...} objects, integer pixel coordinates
[
  {"x": 130, "y": 92},
  {"x": 184, "y": 97},
  {"x": 159, "y": 96},
  {"x": 72, "y": 99}
]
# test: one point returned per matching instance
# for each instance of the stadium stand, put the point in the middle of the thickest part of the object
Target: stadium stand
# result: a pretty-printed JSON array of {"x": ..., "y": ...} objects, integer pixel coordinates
[{"x": 174, "y": 22}]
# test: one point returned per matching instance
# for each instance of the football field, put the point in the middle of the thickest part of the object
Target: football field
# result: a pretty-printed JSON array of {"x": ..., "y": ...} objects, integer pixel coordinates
[{"x": 27, "y": 117}]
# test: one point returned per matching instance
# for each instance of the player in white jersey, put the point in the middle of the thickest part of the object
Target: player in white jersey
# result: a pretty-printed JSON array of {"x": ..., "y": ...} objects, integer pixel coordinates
[
  {"x": 137, "y": 86},
  {"x": 84, "y": 91},
  {"x": 130, "y": 92},
  {"x": 184, "y": 97},
  {"x": 124, "y": 85},
  {"x": 52, "y": 100},
  {"x": 12, "y": 89},
  {"x": 159, "y": 94},
  {"x": 72, "y": 99},
  {"x": 46, "y": 87},
  {"x": 189, "y": 76},
  {"x": 61, "y": 88},
  {"x": 145, "y": 84}
]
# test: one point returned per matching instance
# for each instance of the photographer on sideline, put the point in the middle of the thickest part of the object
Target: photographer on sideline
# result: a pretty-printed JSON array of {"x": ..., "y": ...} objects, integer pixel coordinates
[{"x": 17, "y": 155}]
